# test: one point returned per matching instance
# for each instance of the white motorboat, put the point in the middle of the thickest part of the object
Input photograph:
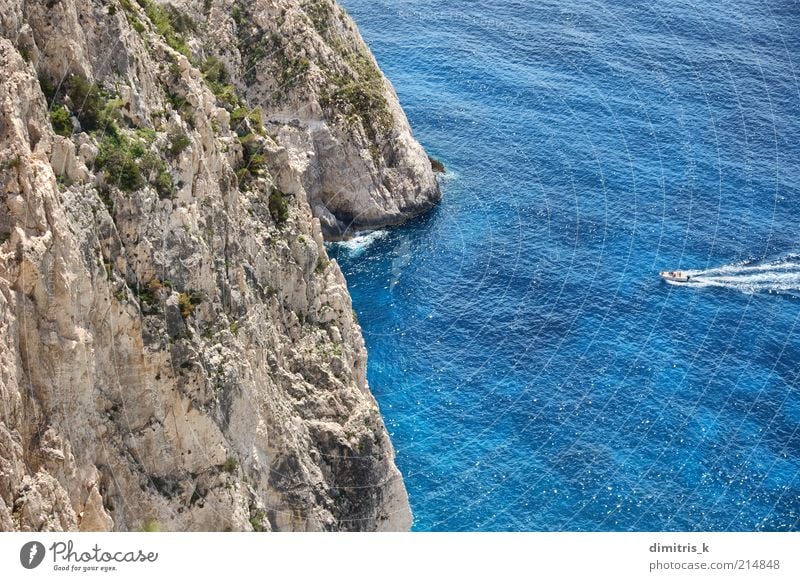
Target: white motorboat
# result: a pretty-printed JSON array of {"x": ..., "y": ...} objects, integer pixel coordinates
[{"x": 675, "y": 276}]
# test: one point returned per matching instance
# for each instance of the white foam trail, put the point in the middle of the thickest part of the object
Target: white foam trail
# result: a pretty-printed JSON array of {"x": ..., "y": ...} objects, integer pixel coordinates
[
  {"x": 776, "y": 276},
  {"x": 359, "y": 243},
  {"x": 449, "y": 176}
]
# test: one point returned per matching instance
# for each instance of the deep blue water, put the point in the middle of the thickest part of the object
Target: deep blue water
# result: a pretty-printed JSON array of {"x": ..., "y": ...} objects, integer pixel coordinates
[{"x": 534, "y": 372}]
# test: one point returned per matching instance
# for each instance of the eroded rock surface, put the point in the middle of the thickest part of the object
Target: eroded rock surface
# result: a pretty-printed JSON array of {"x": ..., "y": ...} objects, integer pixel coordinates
[{"x": 176, "y": 349}]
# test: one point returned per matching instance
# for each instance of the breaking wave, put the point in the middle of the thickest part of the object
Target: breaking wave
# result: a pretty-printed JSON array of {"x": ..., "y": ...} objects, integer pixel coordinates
[{"x": 359, "y": 243}]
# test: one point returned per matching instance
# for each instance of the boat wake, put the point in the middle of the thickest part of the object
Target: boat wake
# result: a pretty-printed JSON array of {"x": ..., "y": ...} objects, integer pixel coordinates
[{"x": 780, "y": 275}]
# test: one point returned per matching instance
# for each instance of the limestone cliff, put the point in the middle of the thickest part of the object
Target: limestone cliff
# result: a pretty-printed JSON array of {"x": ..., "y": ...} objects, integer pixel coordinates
[{"x": 176, "y": 349}]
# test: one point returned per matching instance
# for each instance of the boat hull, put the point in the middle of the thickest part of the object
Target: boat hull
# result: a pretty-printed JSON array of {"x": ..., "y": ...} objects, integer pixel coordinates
[{"x": 673, "y": 276}]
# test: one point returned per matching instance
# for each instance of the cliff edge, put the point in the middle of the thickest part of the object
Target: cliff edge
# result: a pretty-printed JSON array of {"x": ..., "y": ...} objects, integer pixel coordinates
[{"x": 177, "y": 352}]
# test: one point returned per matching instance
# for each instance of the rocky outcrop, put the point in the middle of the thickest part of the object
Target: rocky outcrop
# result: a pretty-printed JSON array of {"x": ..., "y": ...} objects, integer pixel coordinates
[
  {"x": 176, "y": 349},
  {"x": 323, "y": 95}
]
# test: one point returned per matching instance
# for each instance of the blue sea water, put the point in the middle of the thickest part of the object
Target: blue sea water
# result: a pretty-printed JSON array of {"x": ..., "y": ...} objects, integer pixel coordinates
[{"x": 533, "y": 371}]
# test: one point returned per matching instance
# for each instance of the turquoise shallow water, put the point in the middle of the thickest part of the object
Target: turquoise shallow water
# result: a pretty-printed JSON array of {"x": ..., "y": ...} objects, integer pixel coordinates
[{"x": 534, "y": 372}]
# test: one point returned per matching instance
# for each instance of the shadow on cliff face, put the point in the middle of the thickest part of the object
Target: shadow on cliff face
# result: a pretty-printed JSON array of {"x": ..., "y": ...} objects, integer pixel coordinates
[{"x": 352, "y": 471}]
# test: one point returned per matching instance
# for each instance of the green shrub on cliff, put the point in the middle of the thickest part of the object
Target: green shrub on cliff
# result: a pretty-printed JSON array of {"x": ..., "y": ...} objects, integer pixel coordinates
[
  {"x": 163, "y": 184},
  {"x": 129, "y": 165},
  {"x": 230, "y": 465},
  {"x": 181, "y": 105},
  {"x": 292, "y": 69},
  {"x": 214, "y": 71},
  {"x": 254, "y": 162},
  {"x": 59, "y": 118},
  {"x": 127, "y": 161},
  {"x": 178, "y": 141},
  {"x": 117, "y": 157},
  {"x": 93, "y": 106},
  {"x": 47, "y": 87},
  {"x": 218, "y": 80},
  {"x": 278, "y": 208},
  {"x": 170, "y": 23},
  {"x": 320, "y": 13},
  {"x": 256, "y": 119},
  {"x": 359, "y": 94},
  {"x": 239, "y": 114},
  {"x": 96, "y": 108},
  {"x": 188, "y": 300},
  {"x": 257, "y": 520}
]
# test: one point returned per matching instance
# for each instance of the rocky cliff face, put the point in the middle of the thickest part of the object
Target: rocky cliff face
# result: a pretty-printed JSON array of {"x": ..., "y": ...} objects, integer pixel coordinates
[
  {"x": 176, "y": 349},
  {"x": 307, "y": 67}
]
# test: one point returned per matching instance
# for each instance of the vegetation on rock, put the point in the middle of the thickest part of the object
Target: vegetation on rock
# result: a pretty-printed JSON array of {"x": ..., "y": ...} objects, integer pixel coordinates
[
  {"x": 59, "y": 119},
  {"x": 188, "y": 301},
  {"x": 278, "y": 208}
]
